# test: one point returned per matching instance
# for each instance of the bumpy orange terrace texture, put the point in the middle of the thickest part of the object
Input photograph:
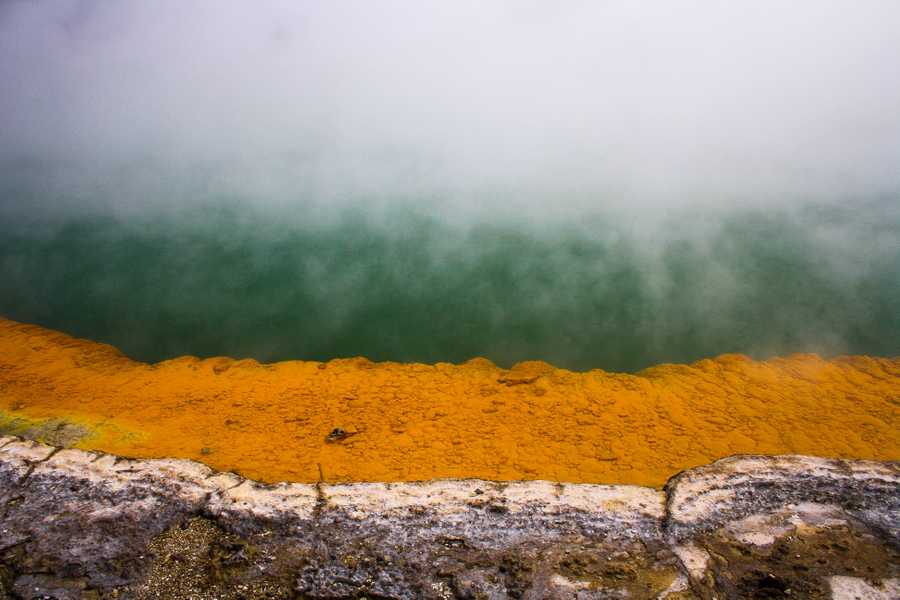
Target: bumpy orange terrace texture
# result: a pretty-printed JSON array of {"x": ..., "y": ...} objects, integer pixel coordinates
[{"x": 407, "y": 422}]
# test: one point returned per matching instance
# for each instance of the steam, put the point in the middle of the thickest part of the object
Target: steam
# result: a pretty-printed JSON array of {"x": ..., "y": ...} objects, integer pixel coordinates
[
  {"x": 693, "y": 149},
  {"x": 583, "y": 103}
]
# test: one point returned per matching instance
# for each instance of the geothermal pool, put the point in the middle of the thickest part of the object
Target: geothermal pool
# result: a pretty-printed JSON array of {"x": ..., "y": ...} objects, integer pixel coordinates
[
  {"x": 516, "y": 348},
  {"x": 593, "y": 242},
  {"x": 404, "y": 285}
]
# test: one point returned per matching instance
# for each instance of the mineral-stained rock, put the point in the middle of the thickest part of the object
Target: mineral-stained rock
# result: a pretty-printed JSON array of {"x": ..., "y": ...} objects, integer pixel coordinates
[
  {"x": 738, "y": 486},
  {"x": 787, "y": 526},
  {"x": 86, "y": 525}
]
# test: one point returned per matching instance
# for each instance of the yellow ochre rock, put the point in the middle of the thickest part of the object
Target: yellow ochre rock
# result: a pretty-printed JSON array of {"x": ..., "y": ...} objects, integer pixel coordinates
[{"x": 355, "y": 420}]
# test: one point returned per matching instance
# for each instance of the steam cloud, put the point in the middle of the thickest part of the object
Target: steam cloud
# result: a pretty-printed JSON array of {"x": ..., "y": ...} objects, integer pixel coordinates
[{"x": 645, "y": 182}]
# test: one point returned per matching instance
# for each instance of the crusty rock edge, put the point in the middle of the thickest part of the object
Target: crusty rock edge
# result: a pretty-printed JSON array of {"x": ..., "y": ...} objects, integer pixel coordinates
[{"x": 93, "y": 518}]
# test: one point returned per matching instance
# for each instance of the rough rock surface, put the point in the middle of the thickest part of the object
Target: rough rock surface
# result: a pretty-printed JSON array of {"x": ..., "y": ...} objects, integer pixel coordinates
[{"x": 87, "y": 525}]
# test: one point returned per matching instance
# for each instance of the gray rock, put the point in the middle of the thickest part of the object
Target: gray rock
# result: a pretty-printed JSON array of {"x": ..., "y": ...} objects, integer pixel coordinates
[{"x": 88, "y": 525}]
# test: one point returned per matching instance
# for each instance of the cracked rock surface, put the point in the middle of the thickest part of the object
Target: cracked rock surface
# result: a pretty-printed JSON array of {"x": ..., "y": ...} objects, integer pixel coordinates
[{"x": 87, "y": 525}]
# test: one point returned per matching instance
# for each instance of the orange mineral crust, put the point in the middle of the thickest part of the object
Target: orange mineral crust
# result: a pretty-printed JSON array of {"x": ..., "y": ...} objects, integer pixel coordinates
[{"x": 414, "y": 421}]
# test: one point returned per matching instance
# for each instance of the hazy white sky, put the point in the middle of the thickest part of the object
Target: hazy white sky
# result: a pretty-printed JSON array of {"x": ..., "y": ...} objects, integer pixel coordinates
[{"x": 552, "y": 104}]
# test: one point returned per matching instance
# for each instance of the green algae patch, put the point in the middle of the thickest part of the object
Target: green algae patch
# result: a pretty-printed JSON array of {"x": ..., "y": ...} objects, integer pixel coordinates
[
  {"x": 55, "y": 431},
  {"x": 63, "y": 432}
]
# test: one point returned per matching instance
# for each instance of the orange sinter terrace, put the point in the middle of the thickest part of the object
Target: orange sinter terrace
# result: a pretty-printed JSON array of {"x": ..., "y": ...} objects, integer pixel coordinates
[{"x": 355, "y": 420}]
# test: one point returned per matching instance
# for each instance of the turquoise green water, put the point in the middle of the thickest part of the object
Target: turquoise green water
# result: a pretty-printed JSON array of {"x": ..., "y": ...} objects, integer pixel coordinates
[{"x": 244, "y": 283}]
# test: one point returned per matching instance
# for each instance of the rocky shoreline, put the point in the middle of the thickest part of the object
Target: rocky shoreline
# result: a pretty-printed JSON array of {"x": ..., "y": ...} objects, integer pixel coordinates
[{"x": 81, "y": 524}]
